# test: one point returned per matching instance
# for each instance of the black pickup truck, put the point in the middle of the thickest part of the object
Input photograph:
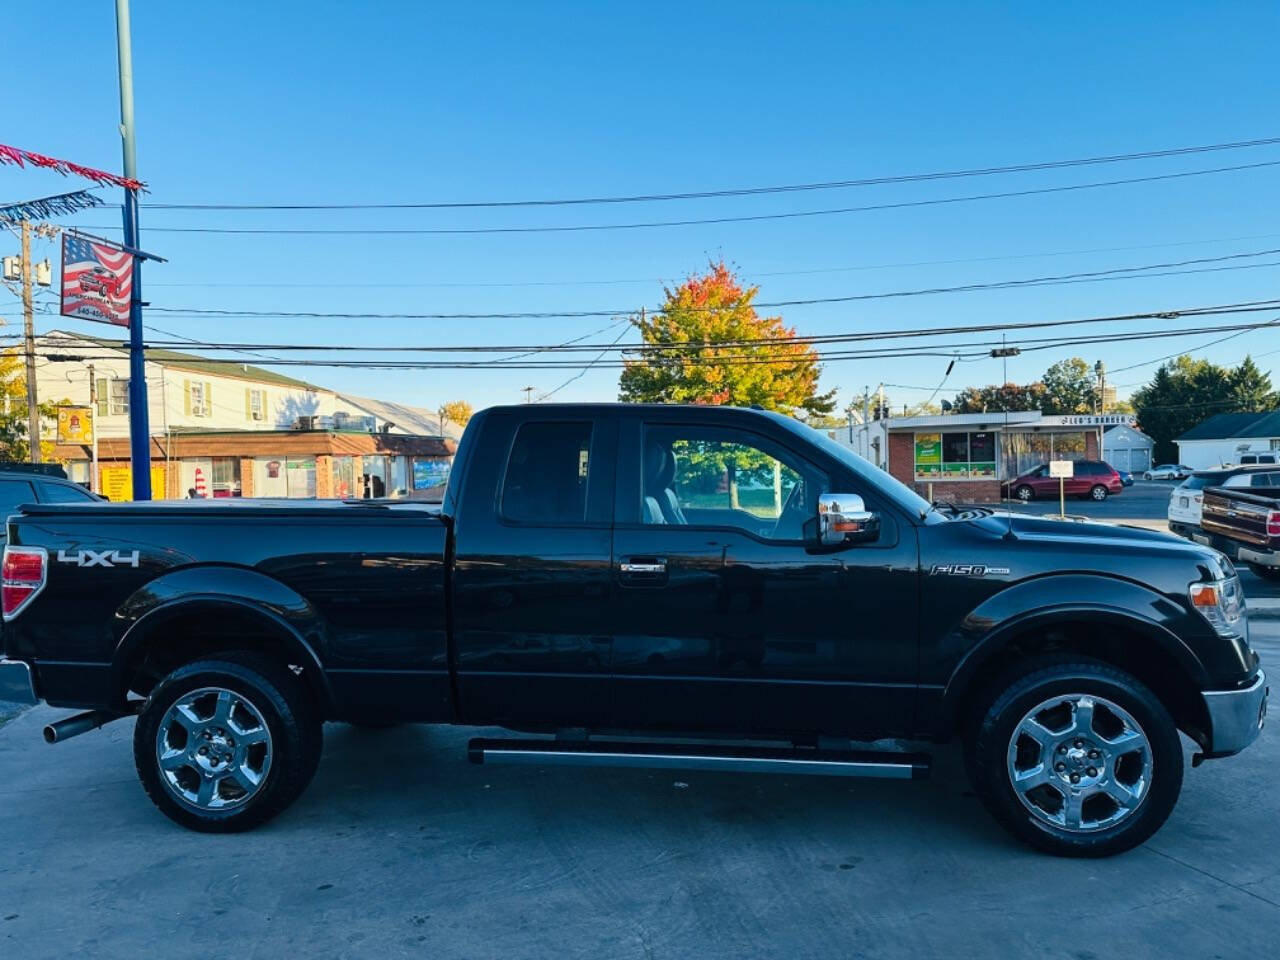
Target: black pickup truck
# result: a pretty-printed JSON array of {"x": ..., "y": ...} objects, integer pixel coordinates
[{"x": 634, "y": 585}]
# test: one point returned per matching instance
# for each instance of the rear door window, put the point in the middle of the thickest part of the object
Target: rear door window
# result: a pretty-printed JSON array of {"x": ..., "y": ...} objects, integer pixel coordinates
[
  {"x": 63, "y": 493},
  {"x": 547, "y": 472},
  {"x": 14, "y": 493}
]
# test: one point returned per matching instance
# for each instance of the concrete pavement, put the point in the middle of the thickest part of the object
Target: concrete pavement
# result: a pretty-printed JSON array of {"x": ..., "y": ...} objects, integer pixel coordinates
[{"x": 402, "y": 848}]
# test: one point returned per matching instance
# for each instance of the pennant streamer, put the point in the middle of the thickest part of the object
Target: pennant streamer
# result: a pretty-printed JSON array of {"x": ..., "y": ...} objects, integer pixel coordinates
[
  {"x": 46, "y": 208},
  {"x": 20, "y": 157}
]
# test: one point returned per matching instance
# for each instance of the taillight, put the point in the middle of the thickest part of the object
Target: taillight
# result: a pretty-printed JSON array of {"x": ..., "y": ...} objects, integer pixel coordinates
[
  {"x": 22, "y": 576},
  {"x": 1273, "y": 523}
]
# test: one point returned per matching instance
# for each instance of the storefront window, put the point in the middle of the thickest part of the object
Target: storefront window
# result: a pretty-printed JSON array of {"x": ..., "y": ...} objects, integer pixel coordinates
[
  {"x": 269, "y": 477},
  {"x": 344, "y": 480},
  {"x": 373, "y": 478},
  {"x": 301, "y": 477},
  {"x": 226, "y": 476},
  {"x": 399, "y": 485},
  {"x": 955, "y": 456}
]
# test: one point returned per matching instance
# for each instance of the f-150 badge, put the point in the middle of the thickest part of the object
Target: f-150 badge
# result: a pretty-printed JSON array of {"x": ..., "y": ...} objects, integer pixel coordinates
[
  {"x": 967, "y": 569},
  {"x": 99, "y": 558}
]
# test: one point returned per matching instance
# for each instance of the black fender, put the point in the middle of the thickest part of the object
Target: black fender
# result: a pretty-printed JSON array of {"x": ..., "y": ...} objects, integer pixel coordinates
[
  {"x": 209, "y": 588},
  {"x": 1043, "y": 602}
]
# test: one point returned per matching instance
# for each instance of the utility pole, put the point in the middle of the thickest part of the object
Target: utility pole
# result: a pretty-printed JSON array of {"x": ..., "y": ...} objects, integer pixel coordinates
[
  {"x": 33, "y": 408},
  {"x": 1101, "y": 370},
  {"x": 528, "y": 393},
  {"x": 139, "y": 428},
  {"x": 93, "y": 418}
]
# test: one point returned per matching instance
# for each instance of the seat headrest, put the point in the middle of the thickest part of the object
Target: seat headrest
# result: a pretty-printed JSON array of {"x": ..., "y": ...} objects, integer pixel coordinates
[{"x": 659, "y": 465}]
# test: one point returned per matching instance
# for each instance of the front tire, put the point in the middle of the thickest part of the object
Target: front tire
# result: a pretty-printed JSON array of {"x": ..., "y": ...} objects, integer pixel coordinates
[
  {"x": 1025, "y": 493},
  {"x": 1147, "y": 475},
  {"x": 225, "y": 744},
  {"x": 1076, "y": 758}
]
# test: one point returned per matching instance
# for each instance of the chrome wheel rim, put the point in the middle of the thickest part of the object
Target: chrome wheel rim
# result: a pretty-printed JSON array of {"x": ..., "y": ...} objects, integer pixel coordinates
[
  {"x": 1099, "y": 493},
  {"x": 1080, "y": 763},
  {"x": 1024, "y": 493},
  {"x": 213, "y": 749}
]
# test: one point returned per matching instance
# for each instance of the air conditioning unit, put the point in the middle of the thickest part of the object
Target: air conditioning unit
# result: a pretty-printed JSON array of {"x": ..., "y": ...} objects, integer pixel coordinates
[{"x": 305, "y": 423}]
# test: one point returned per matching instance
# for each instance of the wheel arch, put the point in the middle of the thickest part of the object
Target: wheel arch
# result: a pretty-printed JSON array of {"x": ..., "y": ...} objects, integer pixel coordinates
[
  {"x": 198, "y": 611},
  {"x": 1143, "y": 647}
]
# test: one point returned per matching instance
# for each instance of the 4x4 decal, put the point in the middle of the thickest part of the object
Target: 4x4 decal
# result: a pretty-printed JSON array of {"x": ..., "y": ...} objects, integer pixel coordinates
[{"x": 99, "y": 558}]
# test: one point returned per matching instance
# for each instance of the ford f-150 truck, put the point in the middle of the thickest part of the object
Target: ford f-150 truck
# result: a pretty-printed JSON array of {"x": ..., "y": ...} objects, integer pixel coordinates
[
  {"x": 1245, "y": 523},
  {"x": 635, "y": 585}
]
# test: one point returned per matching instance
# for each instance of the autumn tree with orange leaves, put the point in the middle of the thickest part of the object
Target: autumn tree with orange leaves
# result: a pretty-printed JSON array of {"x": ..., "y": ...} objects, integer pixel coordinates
[{"x": 707, "y": 344}]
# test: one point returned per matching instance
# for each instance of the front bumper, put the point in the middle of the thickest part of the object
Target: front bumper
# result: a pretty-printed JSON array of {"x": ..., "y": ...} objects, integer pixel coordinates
[
  {"x": 16, "y": 682},
  {"x": 1236, "y": 717}
]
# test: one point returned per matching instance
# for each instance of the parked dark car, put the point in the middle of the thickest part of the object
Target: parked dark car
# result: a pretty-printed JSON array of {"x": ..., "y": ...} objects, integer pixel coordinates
[
  {"x": 634, "y": 585},
  {"x": 1092, "y": 479},
  {"x": 20, "y": 484}
]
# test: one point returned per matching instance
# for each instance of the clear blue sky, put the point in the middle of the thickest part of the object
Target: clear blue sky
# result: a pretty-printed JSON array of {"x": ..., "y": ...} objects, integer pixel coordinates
[{"x": 315, "y": 102}]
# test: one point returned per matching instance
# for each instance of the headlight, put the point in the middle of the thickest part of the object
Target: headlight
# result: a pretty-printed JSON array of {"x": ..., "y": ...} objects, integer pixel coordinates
[{"x": 1221, "y": 602}]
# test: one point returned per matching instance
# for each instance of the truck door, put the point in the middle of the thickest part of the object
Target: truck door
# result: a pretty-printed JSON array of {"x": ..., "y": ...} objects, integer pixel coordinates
[
  {"x": 532, "y": 572},
  {"x": 724, "y": 619}
]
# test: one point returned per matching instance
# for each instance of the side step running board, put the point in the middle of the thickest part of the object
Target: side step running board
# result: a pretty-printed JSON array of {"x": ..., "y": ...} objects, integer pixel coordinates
[{"x": 684, "y": 756}]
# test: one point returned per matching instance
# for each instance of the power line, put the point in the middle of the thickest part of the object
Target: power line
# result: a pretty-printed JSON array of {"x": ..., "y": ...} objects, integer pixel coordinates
[
  {"x": 972, "y": 349},
  {"x": 485, "y": 284},
  {"x": 1089, "y": 276},
  {"x": 806, "y": 340},
  {"x": 735, "y": 192},
  {"x": 641, "y": 225}
]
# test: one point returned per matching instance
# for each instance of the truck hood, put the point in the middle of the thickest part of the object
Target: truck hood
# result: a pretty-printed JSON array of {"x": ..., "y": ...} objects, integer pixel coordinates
[{"x": 1072, "y": 532}]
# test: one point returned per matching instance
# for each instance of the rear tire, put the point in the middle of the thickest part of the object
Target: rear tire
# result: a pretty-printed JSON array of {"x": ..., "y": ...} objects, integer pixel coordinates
[
  {"x": 225, "y": 744},
  {"x": 1079, "y": 719}
]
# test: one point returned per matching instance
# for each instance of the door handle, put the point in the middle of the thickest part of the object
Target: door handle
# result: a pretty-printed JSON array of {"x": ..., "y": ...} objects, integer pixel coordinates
[
  {"x": 652, "y": 567},
  {"x": 642, "y": 571}
]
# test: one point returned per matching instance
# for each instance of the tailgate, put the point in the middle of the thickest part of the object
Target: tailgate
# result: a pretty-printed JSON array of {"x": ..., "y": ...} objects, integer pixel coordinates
[{"x": 1241, "y": 517}]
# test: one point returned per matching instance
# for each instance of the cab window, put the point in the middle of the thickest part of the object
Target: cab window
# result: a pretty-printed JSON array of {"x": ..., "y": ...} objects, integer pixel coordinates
[
  {"x": 702, "y": 476},
  {"x": 546, "y": 476},
  {"x": 64, "y": 493}
]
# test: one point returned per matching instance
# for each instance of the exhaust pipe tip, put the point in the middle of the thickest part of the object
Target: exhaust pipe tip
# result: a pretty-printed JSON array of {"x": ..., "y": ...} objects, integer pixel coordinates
[
  {"x": 50, "y": 734},
  {"x": 70, "y": 727}
]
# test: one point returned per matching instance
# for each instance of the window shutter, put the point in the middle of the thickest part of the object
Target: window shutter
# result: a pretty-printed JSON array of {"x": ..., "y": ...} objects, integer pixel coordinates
[
  {"x": 102, "y": 396},
  {"x": 208, "y": 399},
  {"x": 186, "y": 397},
  {"x": 248, "y": 405}
]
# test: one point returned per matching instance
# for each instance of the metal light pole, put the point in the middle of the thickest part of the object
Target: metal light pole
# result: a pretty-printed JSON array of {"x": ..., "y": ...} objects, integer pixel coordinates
[{"x": 139, "y": 428}]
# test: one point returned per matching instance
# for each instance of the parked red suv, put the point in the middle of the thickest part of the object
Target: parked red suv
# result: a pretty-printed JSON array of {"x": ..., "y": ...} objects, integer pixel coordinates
[{"x": 1093, "y": 478}]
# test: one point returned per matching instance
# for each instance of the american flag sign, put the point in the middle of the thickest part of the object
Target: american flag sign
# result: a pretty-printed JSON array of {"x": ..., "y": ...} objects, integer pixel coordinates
[{"x": 97, "y": 280}]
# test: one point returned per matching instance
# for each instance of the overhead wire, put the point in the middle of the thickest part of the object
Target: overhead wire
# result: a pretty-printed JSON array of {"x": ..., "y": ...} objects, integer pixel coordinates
[
  {"x": 745, "y": 218},
  {"x": 1151, "y": 270}
]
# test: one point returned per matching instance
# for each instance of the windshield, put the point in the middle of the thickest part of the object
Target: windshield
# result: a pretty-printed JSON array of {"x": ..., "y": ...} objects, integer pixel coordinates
[
  {"x": 882, "y": 480},
  {"x": 1202, "y": 480}
]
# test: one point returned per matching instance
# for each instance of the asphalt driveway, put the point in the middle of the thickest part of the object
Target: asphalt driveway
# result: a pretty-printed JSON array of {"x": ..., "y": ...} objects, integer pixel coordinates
[{"x": 402, "y": 848}]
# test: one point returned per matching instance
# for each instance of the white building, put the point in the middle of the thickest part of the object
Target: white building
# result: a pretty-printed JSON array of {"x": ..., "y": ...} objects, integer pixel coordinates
[
  {"x": 1223, "y": 438},
  {"x": 1126, "y": 447},
  {"x": 225, "y": 428}
]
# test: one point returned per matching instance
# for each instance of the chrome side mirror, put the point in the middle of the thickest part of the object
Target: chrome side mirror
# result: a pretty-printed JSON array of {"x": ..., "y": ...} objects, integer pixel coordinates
[{"x": 844, "y": 518}]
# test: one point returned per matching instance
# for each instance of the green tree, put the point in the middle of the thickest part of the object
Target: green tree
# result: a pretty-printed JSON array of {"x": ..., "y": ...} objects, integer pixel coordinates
[
  {"x": 1183, "y": 393},
  {"x": 995, "y": 398},
  {"x": 694, "y": 352},
  {"x": 1069, "y": 387},
  {"x": 1250, "y": 388}
]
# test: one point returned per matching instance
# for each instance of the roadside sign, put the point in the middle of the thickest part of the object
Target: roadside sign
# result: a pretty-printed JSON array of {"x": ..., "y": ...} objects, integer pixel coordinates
[
  {"x": 97, "y": 280},
  {"x": 1064, "y": 469},
  {"x": 75, "y": 425}
]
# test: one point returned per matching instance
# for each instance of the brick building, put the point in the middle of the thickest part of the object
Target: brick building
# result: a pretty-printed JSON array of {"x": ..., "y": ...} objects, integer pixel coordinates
[{"x": 965, "y": 458}]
